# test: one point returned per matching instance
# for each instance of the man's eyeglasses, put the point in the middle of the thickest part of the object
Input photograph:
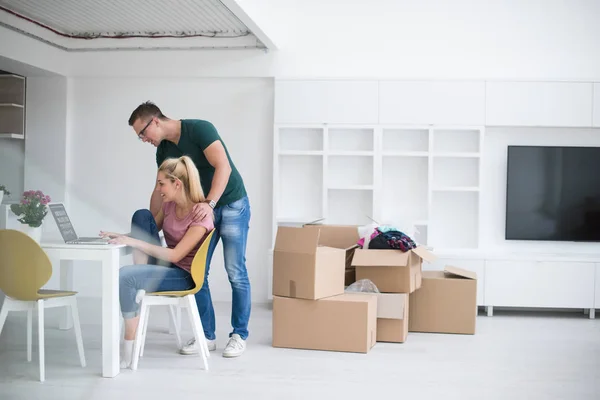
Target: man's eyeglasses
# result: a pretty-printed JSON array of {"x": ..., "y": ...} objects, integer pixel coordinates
[{"x": 141, "y": 134}]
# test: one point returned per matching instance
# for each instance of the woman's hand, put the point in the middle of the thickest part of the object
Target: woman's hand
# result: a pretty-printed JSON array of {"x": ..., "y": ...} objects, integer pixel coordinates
[
  {"x": 109, "y": 235},
  {"x": 122, "y": 239}
]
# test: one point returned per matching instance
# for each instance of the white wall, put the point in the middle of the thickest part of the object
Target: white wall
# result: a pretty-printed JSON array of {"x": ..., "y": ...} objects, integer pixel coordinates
[
  {"x": 428, "y": 39},
  {"x": 45, "y": 149},
  {"x": 27, "y": 56},
  {"x": 112, "y": 173},
  {"x": 493, "y": 191},
  {"x": 38, "y": 162}
]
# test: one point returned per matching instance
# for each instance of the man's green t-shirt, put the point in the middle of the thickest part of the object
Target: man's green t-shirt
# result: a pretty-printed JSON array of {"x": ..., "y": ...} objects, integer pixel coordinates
[{"x": 196, "y": 136}]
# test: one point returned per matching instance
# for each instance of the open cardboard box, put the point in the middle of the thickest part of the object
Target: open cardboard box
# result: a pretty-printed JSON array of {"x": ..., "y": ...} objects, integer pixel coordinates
[
  {"x": 338, "y": 236},
  {"x": 310, "y": 262},
  {"x": 445, "y": 303},
  {"x": 392, "y": 271},
  {"x": 392, "y": 316}
]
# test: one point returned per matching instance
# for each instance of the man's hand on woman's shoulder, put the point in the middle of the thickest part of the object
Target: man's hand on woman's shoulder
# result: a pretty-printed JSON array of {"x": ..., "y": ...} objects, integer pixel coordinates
[{"x": 201, "y": 211}]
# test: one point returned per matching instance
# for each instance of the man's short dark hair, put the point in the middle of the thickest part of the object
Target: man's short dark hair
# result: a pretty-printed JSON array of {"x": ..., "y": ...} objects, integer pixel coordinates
[{"x": 144, "y": 111}]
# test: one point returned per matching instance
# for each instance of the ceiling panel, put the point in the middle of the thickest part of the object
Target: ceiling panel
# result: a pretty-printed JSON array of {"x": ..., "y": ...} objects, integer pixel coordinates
[{"x": 131, "y": 18}]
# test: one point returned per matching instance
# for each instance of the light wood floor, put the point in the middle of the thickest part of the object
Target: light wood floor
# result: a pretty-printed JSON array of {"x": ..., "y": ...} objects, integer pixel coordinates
[{"x": 518, "y": 355}]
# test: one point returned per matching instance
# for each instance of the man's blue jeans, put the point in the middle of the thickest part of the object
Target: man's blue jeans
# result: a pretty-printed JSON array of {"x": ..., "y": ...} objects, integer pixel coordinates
[{"x": 232, "y": 225}]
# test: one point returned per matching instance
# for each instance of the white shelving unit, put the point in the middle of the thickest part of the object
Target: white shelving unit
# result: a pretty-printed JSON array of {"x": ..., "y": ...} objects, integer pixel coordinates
[
  {"x": 425, "y": 179},
  {"x": 12, "y": 106}
]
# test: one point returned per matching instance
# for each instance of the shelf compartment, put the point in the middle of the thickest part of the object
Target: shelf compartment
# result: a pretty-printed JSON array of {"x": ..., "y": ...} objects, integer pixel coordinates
[
  {"x": 349, "y": 207},
  {"x": 12, "y": 89},
  {"x": 351, "y": 187},
  {"x": 300, "y": 187},
  {"x": 350, "y": 153},
  {"x": 405, "y": 140},
  {"x": 11, "y": 136},
  {"x": 455, "y": 172},
  {"x": 404, "y": 191},
  {"x": 457, "y": 155},
  {"x": 12, "y": 120},
  {"x": 350, "y": 139},
  {"x": 419, "y": 234},
  {"x": 454, "y": 220},
  {"x": 301, "y": 153},
  {"x": 456, "y": 141},
  {"x": 300, "y": 139},
  {"x": 405, "y": 154},
  {"x": 455, "y": 189},
  {"x": 349, "y": 170}
]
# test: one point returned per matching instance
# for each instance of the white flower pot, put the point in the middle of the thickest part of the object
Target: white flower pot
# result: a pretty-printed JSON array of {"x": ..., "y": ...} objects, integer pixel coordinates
[{"x": 34, "y": 233}]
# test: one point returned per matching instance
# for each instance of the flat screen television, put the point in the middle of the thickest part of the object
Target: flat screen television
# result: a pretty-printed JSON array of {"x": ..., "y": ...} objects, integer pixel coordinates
[{"x": 553, "y": 193}]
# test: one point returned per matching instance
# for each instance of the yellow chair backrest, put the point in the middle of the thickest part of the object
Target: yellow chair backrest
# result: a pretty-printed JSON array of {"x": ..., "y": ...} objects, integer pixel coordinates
[
  {"x": 24, "y": 266},
  {"x": 199, "y": 262}
]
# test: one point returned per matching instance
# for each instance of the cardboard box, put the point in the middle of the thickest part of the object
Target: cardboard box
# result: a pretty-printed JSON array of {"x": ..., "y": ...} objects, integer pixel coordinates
[
  {"x": 347, "y": 322},
  {"x": 307, "y": 264},
  {"x": 340, "y": 237},
  {"x": 445, "y": 303},
  {"x": 350, "y": 276},
  {"x": 392, "y": 271},
  {"x": 392, "y": 316}
]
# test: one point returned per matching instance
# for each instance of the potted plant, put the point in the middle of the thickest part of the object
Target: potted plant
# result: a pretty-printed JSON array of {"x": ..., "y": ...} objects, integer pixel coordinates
[
  {"x": 32, "y": 210},
  {"x": 3, "y": 191}
]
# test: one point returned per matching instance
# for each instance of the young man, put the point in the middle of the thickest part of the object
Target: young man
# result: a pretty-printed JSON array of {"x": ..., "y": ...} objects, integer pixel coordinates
[{"x": 226, "y": 198}]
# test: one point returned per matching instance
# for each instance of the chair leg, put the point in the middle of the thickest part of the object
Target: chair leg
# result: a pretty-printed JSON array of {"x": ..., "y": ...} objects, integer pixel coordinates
[
  {"x": 175, "y": 325},
  {"x": 4, "y": 313},
  {"x": 29, "y": 333},
  {"x": 196, "y": 323},
  {"x": 77, "y": 329},
  {"x": 41, "y": 350},
  {"x": 138, "y": 336},
  {"x": 144, "y": 332}
]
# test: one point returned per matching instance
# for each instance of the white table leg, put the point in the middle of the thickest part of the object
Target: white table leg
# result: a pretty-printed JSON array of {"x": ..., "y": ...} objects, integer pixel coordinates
[
  {"x": 490, "y": 311},
  {"x": 66, "y": 283},
  {"x": 110, "y": 314},
  {"x": 592, "y": 313}
]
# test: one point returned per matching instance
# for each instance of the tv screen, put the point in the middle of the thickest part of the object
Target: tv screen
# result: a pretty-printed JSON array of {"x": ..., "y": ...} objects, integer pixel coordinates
[{"x": 553, "y": 193}]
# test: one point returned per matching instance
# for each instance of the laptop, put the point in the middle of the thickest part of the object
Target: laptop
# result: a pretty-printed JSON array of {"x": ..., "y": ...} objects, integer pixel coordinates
[{"x": 66, "y": 228}]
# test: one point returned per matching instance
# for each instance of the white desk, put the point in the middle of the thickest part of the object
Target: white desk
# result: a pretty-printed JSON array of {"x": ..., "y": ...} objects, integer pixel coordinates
[{"x": 109, "y": 256}]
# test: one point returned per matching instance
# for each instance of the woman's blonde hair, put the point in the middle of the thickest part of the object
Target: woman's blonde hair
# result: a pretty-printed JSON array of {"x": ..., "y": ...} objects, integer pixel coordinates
[{"x": 184, "y": 169}]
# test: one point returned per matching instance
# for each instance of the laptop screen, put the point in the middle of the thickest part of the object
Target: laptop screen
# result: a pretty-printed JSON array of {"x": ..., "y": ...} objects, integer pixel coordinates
[{"x": 63, "y": 222}]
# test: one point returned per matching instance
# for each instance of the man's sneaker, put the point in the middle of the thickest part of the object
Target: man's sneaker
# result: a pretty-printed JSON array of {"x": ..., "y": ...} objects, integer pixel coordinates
[
  {"x": 191, "y": 348},
  {"x": 235, "y": 347}
]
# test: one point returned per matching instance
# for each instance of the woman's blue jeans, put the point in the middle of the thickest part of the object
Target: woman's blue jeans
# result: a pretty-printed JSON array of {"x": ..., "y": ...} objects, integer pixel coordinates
[{"x": 150, "y": 277}]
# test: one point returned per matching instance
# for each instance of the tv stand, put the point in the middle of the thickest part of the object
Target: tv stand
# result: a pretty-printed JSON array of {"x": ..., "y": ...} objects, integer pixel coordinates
[{"x": 531, "y": 280}]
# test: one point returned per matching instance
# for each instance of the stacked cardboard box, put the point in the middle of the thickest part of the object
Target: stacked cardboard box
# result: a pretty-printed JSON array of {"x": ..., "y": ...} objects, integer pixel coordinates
[
  {"x": 396, "y": 274},
  {"x": 312, "y": 266},
  {"x": 310, "y": 308}
]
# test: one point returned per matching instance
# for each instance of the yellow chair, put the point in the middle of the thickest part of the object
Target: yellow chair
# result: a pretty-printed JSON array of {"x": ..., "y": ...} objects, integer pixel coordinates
[
  {"x": 183, "y": 299},
  {"x": 24, "y": 269}
]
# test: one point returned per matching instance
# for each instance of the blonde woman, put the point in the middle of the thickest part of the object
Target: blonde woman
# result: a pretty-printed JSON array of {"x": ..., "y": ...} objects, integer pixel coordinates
[{"x": 160, "y": 268}]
